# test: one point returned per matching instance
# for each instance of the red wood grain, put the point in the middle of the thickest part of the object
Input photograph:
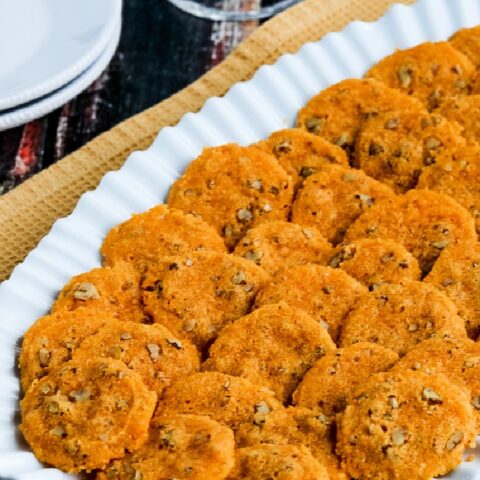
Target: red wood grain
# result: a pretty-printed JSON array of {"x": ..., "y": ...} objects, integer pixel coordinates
[{"x": 30, "y": 150}]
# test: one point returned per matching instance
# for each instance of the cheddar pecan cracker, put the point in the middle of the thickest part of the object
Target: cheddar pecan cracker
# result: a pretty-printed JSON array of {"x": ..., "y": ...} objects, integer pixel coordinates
[
  {"x": 197, "y": 295},
  {"x": 272, "y": 346},
  {"x": 86, "y": 413},
  {"x": 405, "y": 425},
  {"x": 334, "y": 198},
  {"x": 398, "y": 316},
  {"x": 375, "y": 261},
  {"x": 159, "y": 232},
  {"x": 431, "y": 72},
  {"x": 178, "y": 446},
  {"x": 278, "y": 245},
  {"x": 327, "y": 294},
  {"x": 338, "y": 112},
  {"x": 234, "y": 188},
  {"x": 424, "y": 222}
]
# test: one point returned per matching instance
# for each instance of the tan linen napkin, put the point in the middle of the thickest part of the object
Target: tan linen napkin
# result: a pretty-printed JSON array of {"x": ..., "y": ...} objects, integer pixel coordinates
[{"x": 28, "y": 212}]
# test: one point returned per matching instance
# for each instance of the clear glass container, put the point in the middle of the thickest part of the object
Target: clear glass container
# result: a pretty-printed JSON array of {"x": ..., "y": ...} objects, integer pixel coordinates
[{"x": 234, "y": 11}]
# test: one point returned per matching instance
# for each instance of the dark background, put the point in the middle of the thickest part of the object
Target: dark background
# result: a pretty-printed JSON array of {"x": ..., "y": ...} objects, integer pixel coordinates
[{"x": 161, "y": 51}]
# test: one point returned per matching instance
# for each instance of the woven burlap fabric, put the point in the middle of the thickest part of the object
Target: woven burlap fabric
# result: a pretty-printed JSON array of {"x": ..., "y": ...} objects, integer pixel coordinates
[{"x": 28, "y": 212}]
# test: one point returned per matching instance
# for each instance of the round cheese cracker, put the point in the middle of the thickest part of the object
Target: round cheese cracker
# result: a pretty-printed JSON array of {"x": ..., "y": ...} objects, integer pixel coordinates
[
  {"x": 86, "y": 413},
  {"x": 456, "y": 359},
  {"x": 424, "y": 222},
  {"x": 113, "y": 289},
  {"x": 278, "y": 245},
  {"x": 301, "y": 153},
  {"x": 399, "y": 316},
  {"x": 464, "y": 111},
  {"x": 338, "y": 112},
  {"x": 150, "y": 350},
  {"x": 296, "y": 426},
  {"x": 234, "y": 188},
  {"x": 159, "y": 232},
  {"x": 456, "y": 175},
  {"x": 457, "y": 274},
  {"x": 272, "y": 346},
  {"x": 395, "y": 147},
  {"x": 405, "y": 425},
  {"x": 325, "y": 293},
  {"x": 329, "y": 384},
  {"x": 431, "y": 72},
  {"x": 224, "y": 398},
  {"x": 286, "y": 462},
  {"x": 374, "y": 261},
  {"x": 334, "y": 198},
  {"x": 53, "y": 339},
  {"x": 196, "y": 296},
  {"x": 178, "y": 446}
]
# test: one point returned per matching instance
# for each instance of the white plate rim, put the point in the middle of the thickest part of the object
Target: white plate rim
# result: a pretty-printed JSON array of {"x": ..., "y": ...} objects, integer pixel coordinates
[
  {"x": 48, "y": 103},
  {"x": 72, "y": 244},
  {"x": 69, "y": 73}
]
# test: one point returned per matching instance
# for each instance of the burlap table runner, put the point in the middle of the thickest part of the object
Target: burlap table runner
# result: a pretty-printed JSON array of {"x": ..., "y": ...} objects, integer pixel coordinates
[{"x": 28, "y": 212}]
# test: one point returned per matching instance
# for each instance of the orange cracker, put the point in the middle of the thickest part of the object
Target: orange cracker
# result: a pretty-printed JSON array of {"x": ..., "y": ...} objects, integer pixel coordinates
[
  {"x": 114, "y": 289},
  {"x": 405, "y": 425},
  {"x": 424, "y": 222},
  {"x": 277, "y": 245},
  {"x": 338, "y": 112},
  {"x": 301, "y": 153},
  {"x": 159, "y": 232},
  {"x": 399, "y": 316},
  {"x": 431, "y": 72},
  {"x": 325, "y": 293},
  {"x": 374, "y": 261},
  {"x": 86, "y": 413},
  {"x": 196, "y": 296},
  {"x": 334, "y": 198},
  {"x": 178, "y": 446},
  {"x": 272, "y": 346},
  {"x": 234, "y": 188},
  {"x": 150, "y": 350}
]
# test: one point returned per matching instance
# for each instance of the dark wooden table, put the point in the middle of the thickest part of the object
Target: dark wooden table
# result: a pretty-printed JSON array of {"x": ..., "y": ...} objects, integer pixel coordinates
[{"x": 161, "y": 51}]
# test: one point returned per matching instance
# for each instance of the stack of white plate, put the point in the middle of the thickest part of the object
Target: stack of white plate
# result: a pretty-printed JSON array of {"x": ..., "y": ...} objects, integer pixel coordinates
[{"x": 51, "y": 50}]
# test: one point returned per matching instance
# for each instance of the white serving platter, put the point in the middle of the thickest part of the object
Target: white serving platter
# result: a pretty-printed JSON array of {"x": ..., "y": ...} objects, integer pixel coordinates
[
  {"x": 247, "y": 113},
  {"x": 44, "y": 44}
]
